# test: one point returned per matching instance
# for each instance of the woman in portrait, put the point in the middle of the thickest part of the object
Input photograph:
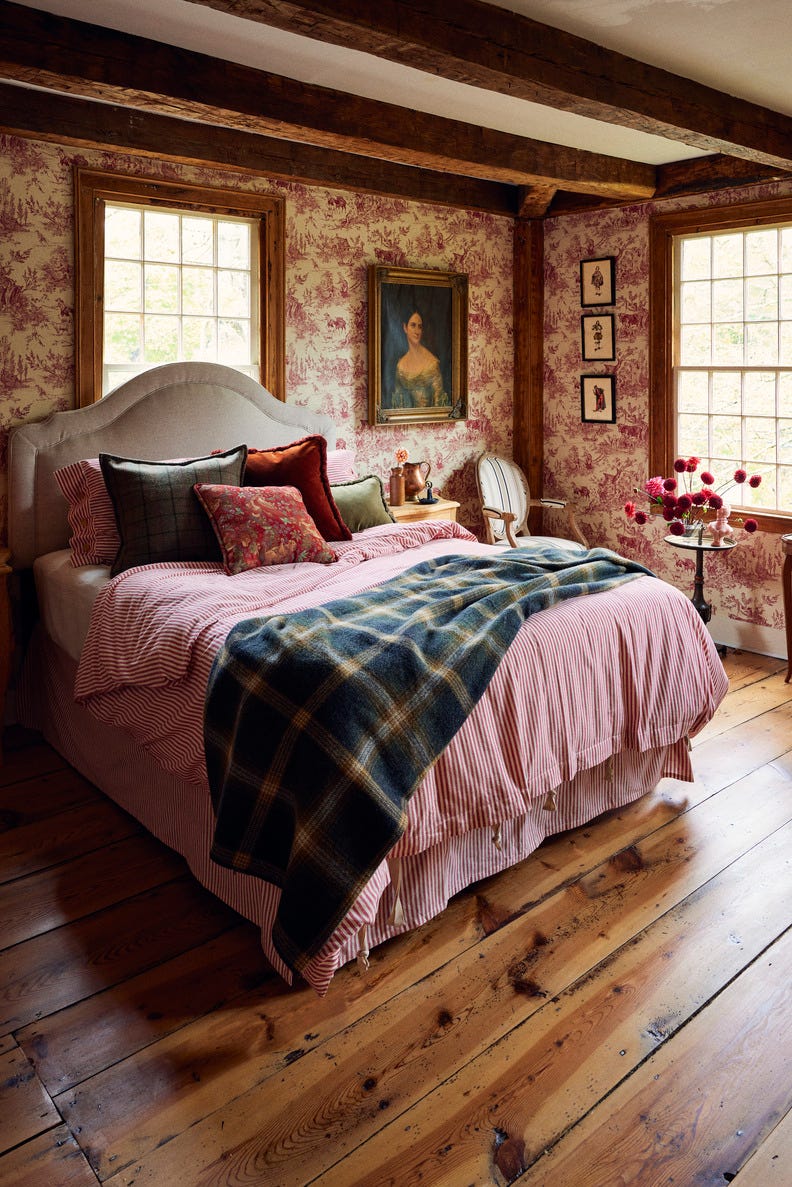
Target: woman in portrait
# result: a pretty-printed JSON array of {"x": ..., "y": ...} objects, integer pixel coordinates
[{"x": 418, "y": 380}]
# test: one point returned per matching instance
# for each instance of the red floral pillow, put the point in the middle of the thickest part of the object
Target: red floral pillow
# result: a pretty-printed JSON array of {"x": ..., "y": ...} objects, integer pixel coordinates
[
  {"x": 302, "y": 464},
  {"x": 262, "y": 525}
]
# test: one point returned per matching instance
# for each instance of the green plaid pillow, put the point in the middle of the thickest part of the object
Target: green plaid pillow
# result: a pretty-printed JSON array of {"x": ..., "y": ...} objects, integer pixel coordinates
[{"x": 158, "y": 514}]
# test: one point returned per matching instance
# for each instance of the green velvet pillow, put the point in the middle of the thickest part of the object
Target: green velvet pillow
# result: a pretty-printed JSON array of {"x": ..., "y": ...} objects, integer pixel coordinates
[
  {"x": 158, "y": 514},
  {"x": 362, "y": 503}
]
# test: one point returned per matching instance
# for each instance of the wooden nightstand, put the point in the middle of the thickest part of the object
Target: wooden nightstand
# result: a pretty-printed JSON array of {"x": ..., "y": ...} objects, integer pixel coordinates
[{"x": 415, "y": 512}]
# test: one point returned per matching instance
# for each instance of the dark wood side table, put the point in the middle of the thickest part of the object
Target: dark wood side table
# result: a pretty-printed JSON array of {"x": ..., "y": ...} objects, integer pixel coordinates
[
  {"x": 701, "y": 546},
  {"x": 786, "y": 583}
]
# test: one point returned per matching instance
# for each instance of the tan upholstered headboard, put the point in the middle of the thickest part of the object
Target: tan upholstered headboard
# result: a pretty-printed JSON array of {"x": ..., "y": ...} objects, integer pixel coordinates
[{"x": 179, "y": 410}]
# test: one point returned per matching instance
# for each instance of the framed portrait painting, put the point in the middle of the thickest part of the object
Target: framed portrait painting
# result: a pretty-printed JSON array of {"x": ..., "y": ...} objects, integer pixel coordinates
[
  {"x": 417, "y": 345},
  {"x": 598, "y": 398},
  {"x": 598, "y": 281},
  {"x": 598, "y": 337}
]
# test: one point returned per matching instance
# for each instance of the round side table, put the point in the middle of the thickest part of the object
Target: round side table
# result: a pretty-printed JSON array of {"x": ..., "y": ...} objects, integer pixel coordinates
[{"x": 701, "y": 546}]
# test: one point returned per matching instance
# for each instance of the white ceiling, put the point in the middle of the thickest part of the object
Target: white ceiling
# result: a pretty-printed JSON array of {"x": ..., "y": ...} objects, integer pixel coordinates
[{"x": 740, "y": 47}]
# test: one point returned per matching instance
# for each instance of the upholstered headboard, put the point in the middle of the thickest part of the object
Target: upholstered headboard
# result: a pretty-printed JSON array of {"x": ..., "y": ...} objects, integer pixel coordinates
[{"x": 175, "y": 411}]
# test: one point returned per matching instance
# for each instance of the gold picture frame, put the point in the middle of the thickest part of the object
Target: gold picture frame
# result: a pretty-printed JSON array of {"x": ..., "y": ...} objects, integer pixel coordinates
[{"x": 417, "y": 345}]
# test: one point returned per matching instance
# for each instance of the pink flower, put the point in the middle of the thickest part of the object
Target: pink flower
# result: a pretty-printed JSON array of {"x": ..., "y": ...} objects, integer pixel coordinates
[
  {"x": 750, "y": 525},
  {"x": 681, "y": 507},
  {"x": 401, "y": 456}
]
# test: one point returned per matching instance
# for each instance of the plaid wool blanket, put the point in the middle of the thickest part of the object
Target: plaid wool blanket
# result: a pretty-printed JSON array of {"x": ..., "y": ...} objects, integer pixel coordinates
[{"x": 320, "y": 724}]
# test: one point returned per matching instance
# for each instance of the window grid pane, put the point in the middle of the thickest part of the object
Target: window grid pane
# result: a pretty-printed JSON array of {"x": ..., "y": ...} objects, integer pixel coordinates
[
  {"x": 182, "y": 286},
  {"x": 733, "y": 341}
]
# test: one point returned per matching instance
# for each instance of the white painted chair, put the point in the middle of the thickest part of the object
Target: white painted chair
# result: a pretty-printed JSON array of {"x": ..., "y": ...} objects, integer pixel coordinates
[{"x": 506, "y": 503}]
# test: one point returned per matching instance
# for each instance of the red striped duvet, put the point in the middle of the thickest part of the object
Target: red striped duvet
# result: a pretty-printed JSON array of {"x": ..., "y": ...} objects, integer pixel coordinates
[{"x": 627, "y": 673}]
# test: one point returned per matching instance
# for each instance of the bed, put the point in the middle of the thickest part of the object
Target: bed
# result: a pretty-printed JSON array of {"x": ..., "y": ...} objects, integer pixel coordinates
[{"x": 593, "y": 702}]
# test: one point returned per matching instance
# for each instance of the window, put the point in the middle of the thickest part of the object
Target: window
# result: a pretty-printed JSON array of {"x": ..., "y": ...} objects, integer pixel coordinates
[
  {"x": 721, "y": 349},
  {"x": 168, "y": 272}
]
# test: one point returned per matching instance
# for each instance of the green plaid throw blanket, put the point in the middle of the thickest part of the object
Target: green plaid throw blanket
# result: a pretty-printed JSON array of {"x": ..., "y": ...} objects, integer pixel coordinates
[{"x": 320, "y": 724}]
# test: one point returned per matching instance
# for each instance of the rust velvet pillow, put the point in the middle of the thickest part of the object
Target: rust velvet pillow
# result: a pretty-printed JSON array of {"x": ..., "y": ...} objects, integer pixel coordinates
[{"x": 302, "y": 464}]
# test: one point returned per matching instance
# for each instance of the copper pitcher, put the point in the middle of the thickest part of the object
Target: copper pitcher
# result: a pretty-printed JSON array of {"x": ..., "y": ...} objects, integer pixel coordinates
[{"x": 415, "y": 476}]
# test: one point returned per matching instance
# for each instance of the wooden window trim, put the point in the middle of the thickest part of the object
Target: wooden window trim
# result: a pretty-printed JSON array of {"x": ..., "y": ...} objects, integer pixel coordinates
[
  {"x": 662, "y": 412},
  {"x": 94, "y": 189}
]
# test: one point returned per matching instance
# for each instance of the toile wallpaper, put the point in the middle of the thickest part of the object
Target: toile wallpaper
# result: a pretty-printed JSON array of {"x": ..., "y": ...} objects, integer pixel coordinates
[
  {"x": 332, "y": 236},
  {"x": 598, "y": 464}
]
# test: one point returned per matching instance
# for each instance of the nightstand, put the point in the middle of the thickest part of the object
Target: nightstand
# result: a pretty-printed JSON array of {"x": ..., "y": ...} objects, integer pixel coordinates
[{"x": 415, "y": 512}]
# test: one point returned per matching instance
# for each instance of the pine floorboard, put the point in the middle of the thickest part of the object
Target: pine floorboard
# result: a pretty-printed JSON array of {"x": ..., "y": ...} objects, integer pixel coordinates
[{"x": 613, "y": 1011}]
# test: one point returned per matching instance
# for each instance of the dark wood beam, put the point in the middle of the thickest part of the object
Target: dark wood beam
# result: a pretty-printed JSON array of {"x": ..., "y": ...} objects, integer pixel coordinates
[
  {"x": 64, "y": 119},
  {"x": 711, "y": 173},
  {"x": 533, "y": 201},
  {"x": 680, "y": 179},
  {"x": 528, "y": 320},
  {"x": 475, "y": 43},
  {"x": 70, "y": 56}
]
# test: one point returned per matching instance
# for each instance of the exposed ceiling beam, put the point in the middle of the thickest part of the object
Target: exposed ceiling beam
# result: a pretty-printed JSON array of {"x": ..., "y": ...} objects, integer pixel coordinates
[
  {"x": 711, "y": 173},
  {"x": 534, "y": 201},
  {"x": 67, "y": 120},
  {"x": 499, "y": 50},
  {"x": 81, "y": 59}
]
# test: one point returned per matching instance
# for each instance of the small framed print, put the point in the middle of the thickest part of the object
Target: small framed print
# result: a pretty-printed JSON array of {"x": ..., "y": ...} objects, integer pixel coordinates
[
  {"x": 598, "y": 337},
  {"x": 598, "y": 281},
  {"x": 598, "y": 398}
]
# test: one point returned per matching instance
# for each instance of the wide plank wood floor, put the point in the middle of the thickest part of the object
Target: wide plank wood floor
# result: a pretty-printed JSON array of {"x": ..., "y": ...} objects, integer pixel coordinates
[{"x": 614, "y": 1011}]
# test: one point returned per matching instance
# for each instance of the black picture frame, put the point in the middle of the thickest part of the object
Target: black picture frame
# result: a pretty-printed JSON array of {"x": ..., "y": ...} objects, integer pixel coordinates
[
  {"x": 598, "y": 399},
  {"x": 598, "y": 337},
  {"x": 598, "y": 281},
  {"x": 440, "y": 301}
]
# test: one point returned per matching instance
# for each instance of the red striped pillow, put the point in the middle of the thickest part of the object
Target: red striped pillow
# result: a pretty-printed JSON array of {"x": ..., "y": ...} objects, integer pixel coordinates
[
  {"x": 94, "y": 539},
  {"x": 340, "y": 465}
]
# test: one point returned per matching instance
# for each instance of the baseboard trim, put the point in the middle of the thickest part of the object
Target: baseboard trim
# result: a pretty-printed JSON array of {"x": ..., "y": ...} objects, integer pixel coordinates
[{"x": 747, "y": 636}]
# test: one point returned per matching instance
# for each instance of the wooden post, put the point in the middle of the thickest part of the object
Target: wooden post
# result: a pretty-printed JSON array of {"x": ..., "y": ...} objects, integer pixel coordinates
[
  {"x": 528, "y": 433},
  {"x": 6, "y": 642}
]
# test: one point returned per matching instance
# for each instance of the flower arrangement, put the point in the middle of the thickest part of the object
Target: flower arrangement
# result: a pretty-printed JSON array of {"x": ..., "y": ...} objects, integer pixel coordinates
[
  {"x": 682, "y": 507},
  {"x": 401, "y": 456}
]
